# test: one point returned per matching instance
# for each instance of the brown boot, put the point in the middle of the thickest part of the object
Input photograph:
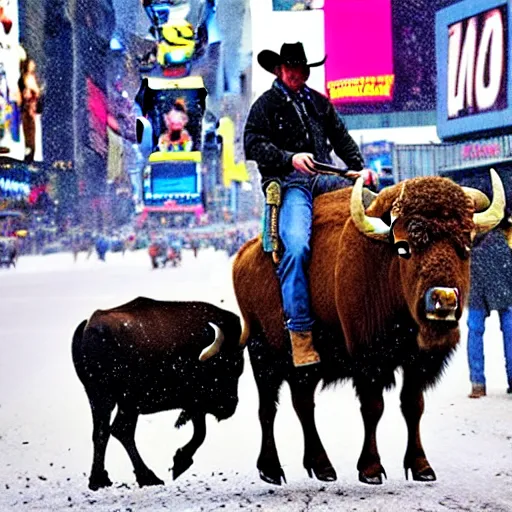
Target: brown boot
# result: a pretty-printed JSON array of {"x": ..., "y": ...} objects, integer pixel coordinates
[
  {"x": 477, "y": 391},
  {"x": 303, "y": 351}
]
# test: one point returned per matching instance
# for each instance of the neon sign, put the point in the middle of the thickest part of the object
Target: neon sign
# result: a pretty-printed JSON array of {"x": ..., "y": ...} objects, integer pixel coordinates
[
  {"x": 14, "y": 187},
  {"x": 481, "y": 151},
  {"x": 477, "y": 64},
  {"x": 374, "y": 87},
  {"x": 358, "y": 41}
]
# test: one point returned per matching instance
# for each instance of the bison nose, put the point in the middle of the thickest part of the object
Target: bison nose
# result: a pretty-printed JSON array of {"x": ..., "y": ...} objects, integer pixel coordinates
[{"x": 441, "y": 303}]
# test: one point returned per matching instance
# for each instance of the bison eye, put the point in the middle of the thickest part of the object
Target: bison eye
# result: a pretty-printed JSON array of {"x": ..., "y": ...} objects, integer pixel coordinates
[{"x": 403, "y": 250}]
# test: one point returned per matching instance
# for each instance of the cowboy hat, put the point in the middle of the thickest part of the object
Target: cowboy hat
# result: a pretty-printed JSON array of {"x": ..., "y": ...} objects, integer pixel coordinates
[{"x": 291, "y": 54}]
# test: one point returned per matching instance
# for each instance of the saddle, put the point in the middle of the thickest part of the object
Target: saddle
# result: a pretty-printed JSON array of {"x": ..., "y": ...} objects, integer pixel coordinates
[{"x": 270, "y": 235}]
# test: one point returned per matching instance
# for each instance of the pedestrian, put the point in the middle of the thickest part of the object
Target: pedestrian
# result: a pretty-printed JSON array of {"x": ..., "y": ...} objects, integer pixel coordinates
[
  {"x": 101, "y": 247},
  {"x": 491, "y": 290},
  {"x": 288, "y": 128}
]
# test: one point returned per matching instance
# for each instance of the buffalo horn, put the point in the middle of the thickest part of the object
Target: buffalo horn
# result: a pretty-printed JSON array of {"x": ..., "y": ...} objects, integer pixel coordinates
[
  {"x": 214, "y": 348},
  {"x": 369, "y": 226},
  {"x": 490, "y": 218},
  {"x": 480, "y": 200}
]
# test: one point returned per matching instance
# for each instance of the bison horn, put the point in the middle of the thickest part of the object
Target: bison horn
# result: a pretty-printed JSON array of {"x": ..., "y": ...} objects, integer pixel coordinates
[
  {"x": 214, "y": 348},
  {"x": 490, "y": 218},
  {"x": 369, "y": 226},
  {"x": 480, "y": 200}
]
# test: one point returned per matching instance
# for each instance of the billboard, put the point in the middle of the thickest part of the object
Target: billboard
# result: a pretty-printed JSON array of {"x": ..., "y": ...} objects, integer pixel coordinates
[
  {"x": 380, "y": 58},
  {"x": 20, "y": 93},
  {"x": 296, "y": 5},
  {"x": 176, "y": 180},
  {"x": 175, "y": 110},
  {"x": 473, "y": 48},
  {"x": 358, "y": 43}
]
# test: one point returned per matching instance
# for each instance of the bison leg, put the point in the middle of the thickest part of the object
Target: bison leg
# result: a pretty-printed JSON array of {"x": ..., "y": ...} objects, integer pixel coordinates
[
  {"x": 412, "y": 404},
  {"x": 183, "y": 456},
  {"x": 101, "y": 411},
  {"x": 315, "y": 457},
  {"x": 123, "y": 429},
  {"x": 267, "y": 368},
  {"x": 372, "y": 407}
]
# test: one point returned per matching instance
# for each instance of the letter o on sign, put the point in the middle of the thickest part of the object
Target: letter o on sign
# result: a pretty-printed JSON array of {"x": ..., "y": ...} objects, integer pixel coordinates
[{"x": 488, "y": 85}]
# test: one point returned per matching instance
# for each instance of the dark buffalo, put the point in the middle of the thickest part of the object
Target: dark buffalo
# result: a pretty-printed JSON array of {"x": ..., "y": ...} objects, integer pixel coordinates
[
  {"x": 388, "y": 284},
  {"x": 149, "y": 356}
]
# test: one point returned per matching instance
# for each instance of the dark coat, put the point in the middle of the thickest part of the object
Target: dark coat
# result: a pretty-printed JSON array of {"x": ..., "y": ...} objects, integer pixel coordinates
[
  {"x": 491, "y": 272},
  {"x": 274, "y": 132}
]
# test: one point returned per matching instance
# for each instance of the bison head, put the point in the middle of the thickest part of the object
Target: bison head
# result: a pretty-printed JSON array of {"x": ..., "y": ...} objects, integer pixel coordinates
[{"x": 429, "y": 223}]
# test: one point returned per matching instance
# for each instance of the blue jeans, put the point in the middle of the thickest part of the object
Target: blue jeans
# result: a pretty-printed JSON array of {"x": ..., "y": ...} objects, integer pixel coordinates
[
  {"x": 295, "y": 223},
  {"x": 476, "y": 325}
]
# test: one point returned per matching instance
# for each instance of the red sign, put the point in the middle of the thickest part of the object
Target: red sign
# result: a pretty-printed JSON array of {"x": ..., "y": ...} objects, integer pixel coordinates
[
  {"x": 98, "y": 114},
  {"x": 481, "y": 151}
]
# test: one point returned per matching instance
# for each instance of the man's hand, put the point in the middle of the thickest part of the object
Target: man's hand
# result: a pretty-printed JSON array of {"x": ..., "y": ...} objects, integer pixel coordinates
[{"x": 303, "y": 162}]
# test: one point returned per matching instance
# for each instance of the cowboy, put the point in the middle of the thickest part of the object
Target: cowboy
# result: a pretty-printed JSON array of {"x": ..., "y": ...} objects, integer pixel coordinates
[{"x": 290, "y": 128}]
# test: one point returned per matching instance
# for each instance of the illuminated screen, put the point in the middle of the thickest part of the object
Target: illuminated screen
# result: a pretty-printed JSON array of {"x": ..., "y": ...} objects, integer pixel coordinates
[
  {"x": 296, "y": 5},
  {"x": 170, "y": 180},
  {"x": 358, "y": 43},
  {"x": 176, "y": 116},
  {"x": 472, "y": 60}
]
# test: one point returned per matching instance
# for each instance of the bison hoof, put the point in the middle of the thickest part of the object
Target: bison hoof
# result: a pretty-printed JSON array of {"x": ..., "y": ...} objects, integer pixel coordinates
[
  {"x": 181, "y": 464},
  {"x": 99, "y": 480},
  {"x": 273, "y": 477},
  {"x": 425, "y": 475},
  {"x": 148, "y": 479},
  {"x": 325, "y": 474},
  {"x": 372, "y": 480}
]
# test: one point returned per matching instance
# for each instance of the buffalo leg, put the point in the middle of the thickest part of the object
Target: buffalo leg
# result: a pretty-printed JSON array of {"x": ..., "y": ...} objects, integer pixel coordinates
[
  {"x": 269, "y": 377},
  {"x": 183, "y": 456},
  {"x": 123, "y": 429},
  {"x": 101, "y": 409},
  {"x": 412, "y": 404},
  {"x": 372, "y": 407},
  {"x": 315, "y": 457}
]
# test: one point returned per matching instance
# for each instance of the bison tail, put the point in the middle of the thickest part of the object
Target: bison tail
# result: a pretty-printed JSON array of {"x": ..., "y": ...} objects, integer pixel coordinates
[{"x": 77, "y": 340}]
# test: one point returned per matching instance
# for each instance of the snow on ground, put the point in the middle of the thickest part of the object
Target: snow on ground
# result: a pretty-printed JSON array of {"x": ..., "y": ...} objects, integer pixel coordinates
[{"x": 46, "y": 426}]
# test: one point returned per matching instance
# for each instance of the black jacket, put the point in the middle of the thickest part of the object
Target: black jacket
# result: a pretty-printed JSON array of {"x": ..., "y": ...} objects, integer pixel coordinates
[{"x": 274, "y": 132}]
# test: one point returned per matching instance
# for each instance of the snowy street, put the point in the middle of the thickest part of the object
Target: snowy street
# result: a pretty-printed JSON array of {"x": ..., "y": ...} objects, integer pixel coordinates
[{"x": 46, "y": 425}]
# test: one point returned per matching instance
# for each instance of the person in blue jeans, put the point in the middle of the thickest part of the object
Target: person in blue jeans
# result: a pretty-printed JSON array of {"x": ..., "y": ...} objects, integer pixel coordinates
[
  {"x": 288, "y": 129},
  {"x": 490, "y": 290}
]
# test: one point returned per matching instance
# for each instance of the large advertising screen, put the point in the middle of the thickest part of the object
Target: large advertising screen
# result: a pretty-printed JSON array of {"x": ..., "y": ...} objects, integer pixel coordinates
[
  {"x": 380, "y": 55},
  {"x": 20, "y": 92},
  {"x": 296, "y": 5},
  {"x": 175, "y": 110},
  {"x": 358, "y": 43},
  {"x": 473, "y": 48},
  {"x": 176, "y": 180}
]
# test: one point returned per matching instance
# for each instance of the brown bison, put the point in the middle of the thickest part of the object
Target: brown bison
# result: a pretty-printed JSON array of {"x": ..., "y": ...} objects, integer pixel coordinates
[
  {"x": 388, "y": 283},
  {"x": 149, "y": 356}
]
